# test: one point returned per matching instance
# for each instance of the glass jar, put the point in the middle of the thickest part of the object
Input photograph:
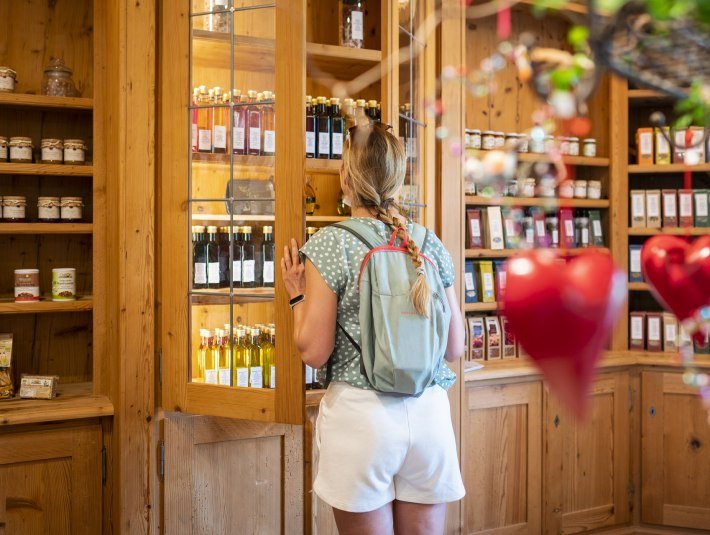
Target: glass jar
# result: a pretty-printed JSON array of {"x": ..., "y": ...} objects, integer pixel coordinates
[
  {"x": 511, "y": 141},
  {"x": 499, "y": 140},
  {"x": 14, "y": 208},
  {"x": 352, "y": 23},
  {"x": 546, "y": 187},
  {"x": 8, "y": 77},
  {"x": 488, "y": 140},
  {"x": 528, "y": 189},
  {"x": 57, "y": 81},
  {"x": 573, "y": 146},
  {"x": 21, "y": 149},
  {"x": 537, "y": 146},
  {"x": 48, "y": 209},
  {"x": 566, "y": 189},
  {"x": 343, "y": 208},
  {"x": 74, "y": 151},
  {"x": 475, "y": 139},
  {"x": 580, "y": 189},
  {"x": 564, "y": 145},
  {"x": 589, "y": 147},
  {"x": 594, "y": 189},
  {"x": 511, "y": 188},
  {"x": 218, "y": 21},
  {"x": 523, "y": 143},
  {"x": 71, "y": 209},
  {"x": 553, "y": 230},
  {"x": 3, "y": 149},
  {"x": 52, "y": 151},
  {"x": 549, "y": 143}
]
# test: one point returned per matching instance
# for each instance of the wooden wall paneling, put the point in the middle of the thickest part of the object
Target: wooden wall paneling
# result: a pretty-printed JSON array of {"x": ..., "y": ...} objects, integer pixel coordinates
[
  {"x": 327, "y": 188},
  {"x": 429, "y": 73}
]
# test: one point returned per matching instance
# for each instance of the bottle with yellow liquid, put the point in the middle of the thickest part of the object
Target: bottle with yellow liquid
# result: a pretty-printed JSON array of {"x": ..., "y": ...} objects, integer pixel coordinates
[
  {"x": 202, "y": 350},
  {"x": 225, "y": 359},
  {"x": 256, "y": 361},
  {"x": 212, "y": 357},
  {"x": 240, "y": 358},
  {"x": 268, "y": 350}
]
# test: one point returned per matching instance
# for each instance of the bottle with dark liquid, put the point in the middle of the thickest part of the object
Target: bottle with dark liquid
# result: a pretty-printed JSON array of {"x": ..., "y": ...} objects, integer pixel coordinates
[
  {"x": 237, "y": 250},
  {"x": 337, "y": 129},
  {"x": 348, "y": 112},
  {"x": 372, "y": 111},
  {"x": 254, "y": 124},
  {"x": 310, "y": 195},
  {"x": 239, "y": 145},
  {"x": 268, "y": 255},
  {"x": 310, "y": 129},
  {"x": 323, "y": 129},
  {"x": 223, "y": 242},
  {"x": 268, "y": 122},
  {"x": 199, "y": 258},
  {"x": 248, "y": 259},
  {"x": 193, "y": 117},
  {"x": 212, "y": 259},
  {"x": 221, "y": 119}
]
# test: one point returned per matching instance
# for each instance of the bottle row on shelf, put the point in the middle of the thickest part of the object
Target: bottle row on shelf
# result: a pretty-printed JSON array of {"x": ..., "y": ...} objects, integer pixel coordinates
[
  {"x": 499, "y": 228},
  {"x": 669, "y": 208},
  {"x": 661, "y": 332},
  {"x": 489, "y": 338},
  {"x": 689, "y": 146}
]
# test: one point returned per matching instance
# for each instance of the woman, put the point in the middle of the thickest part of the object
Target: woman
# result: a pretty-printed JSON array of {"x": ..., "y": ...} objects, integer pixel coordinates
[{"x": 387, "y": 463}]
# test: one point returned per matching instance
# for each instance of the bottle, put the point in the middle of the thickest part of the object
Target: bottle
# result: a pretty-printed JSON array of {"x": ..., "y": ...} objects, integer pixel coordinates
[
  {"x": 212, "y": 358},
  {"x": 310, "y": 195},
  {"x": 267, "y": 348},
  {"x": 199, "y": 258},
  {"x": 254, "y": 124},
  {"x": 310, "y": 129},
  {"x": 237, "y": 250},
  {"x": 193, "y": 117},
  {"x": 348, "y": 112},
  {"x": 403, "y": 128},
  {"x": 240, "y": 358},
  {"x": 372, "y": 111},
  {"x": 240, "y": 122},
  {"x": 248, "y": 259},
  {"x": 352, "y": 23},
  {"x": 268, "y": 255},
  {"x": 379, "y": 112},
  {"x": 256, "y": 361},
  {"x": 221, "y": 119},
  {"x": 310, "y": 231},
  {"x": 268, "y": 121},
  {"x": 223, "y": 244},
  {"x": 204, "y": 122},
  {"x": 202, "y": 355},
  {"x": 212, "y": 259},
  {"x": 224, "y": 371},
  {"x": 323, "y": 129},
  {"x": 343, "y": 209},
  {"x": 337, "y": 129},
  {"x": 360, "y": 115}
]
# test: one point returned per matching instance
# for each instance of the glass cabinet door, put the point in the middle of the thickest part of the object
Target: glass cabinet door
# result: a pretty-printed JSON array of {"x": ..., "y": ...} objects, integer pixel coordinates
[{"x": 234, "y": 357}]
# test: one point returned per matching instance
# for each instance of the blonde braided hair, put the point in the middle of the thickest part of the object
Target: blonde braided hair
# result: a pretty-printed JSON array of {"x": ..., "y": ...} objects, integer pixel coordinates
[{"x": 375, "y": 161}]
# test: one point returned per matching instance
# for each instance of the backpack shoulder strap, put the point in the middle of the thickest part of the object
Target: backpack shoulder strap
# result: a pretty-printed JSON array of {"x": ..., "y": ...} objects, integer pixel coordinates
[
  {"x": 363, "y": 232},
  {"x": 420, "y": 235}
]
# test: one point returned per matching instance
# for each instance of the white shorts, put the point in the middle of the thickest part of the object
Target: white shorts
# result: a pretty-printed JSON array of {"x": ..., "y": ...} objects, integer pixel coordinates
[{"x": 375, "y": 448}]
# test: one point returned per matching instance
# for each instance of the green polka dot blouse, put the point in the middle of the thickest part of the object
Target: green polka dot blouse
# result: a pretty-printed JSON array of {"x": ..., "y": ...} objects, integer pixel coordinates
[{"x": 337, "y": 255}]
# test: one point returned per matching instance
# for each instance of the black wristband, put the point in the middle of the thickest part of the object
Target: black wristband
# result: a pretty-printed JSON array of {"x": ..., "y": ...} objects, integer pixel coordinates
[{"x": 293, "y": 302}]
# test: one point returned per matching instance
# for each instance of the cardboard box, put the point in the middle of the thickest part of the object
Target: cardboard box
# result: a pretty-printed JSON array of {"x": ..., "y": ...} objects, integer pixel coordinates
[
  {"x": 653, "y": 208},
  {"x": 637, "y": 335},
  {"x": 670, "y": 207},
  {"x": 663, "y": 148},
  {"x": 38, "y": 386},
  {"x": 476, "y": 338},
  {"x": 486, "y": 282},
  {"x": 684, "y": 339},
  {"x": 654, "y": 332},
  {"x": 494, "y": 229},
  {"x": 5, "y": 350},
  {"x": 595, "y": 222},
  {"x": 509, "y": 342},
  {"x": 670, "y": 333},
  {"x": 635, "y": 273},
  {"x": 542, "y": 239},
  {"x": 685, "y": 208},
  {"x": 566, "y": 229},
  {"x": 475, "y": 235},
  {"x": 500, "y": 278},
  {"x": 7, "y": 387},
  {"x": 512, "y": 226},
  {"x": 638, "y": 208},
  {"x": 696, "y": 146},
  {"x": 700, "y": 206},
  {"x": 702, "y": 348},
  {"x": 470, "y": 286},
  {"x": 644, "y": 146},
  {"x": 494, "y": 340}
]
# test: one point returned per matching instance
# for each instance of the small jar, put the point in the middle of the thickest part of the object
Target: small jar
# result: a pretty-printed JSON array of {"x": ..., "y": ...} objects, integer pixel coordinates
[
  {"x": 52, "y": 151},
  {"x": 594, "y": 189},
  {"x": 528, "y": 189},
  {"x": 511, "y": 141},
  {"x": 537, "y": 146},
  {"x": 48, "y": 209},
  {"x": 566, "y": 189},
  {"x": 589, "y": 147},
  {"x": 546, "y": 187},
  {"x": 580, "y": 189},
  {"x": 21, "y": 149},
  {"x": 63, "y": 284},
  {"x": 564, "y": 145},
  {"x": 14, "y": 209},
  {"x": 475, "y": 139},
  {"x": 26, "y": 285},
  {"x": 549, "y": 143},
  {"x": 573, "y": 146},
  {"x": 74, "y": 151},
  {"x": 8, "y": 77},
  {"x": 3, "y": 149},
  {"x": 500, "y": 140},
  {"x": 57, "y": 81},
  {"x": 553, "y": 230},
  {"x": 511, "y": 188},
  {"x": 523, "y": 143},
  {"x": 71, "y": 209},
  {"x": 488, "y": 139}
]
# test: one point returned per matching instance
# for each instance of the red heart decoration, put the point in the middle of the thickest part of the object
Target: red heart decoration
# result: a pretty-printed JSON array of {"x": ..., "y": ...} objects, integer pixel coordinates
[
  {"x": 562, "y": 313},
  {"x": 678, "y": 272}
]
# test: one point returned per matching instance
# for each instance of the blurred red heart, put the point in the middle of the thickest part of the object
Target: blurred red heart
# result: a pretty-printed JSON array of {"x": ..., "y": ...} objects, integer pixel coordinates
[
  {"x": 563, "y": 315},
  {"x": 678, "y": 272}
]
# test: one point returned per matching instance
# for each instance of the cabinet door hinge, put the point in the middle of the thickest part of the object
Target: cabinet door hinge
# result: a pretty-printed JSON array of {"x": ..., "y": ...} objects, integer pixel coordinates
[
  {"x": 103, "y": 465},
  {"x": 161, "y": 460},
  {"x": 160, "y": 366}
]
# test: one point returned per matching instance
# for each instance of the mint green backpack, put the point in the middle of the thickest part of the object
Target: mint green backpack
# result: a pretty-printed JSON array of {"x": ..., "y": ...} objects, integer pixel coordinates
[{"x": 401, "y": 350}]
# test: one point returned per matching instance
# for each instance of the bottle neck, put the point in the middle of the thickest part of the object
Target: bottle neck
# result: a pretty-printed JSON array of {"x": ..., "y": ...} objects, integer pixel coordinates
[
  {"x": 336, "y": 110},
  {"x": 268, "y": 238}
]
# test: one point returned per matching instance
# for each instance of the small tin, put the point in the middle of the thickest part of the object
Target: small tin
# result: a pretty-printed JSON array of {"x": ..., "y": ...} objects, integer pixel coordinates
[{"x": 26, "y": 285}]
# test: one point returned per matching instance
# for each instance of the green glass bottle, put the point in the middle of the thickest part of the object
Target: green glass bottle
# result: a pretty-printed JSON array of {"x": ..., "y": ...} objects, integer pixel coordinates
[
  {"x": 256, "y": 360},
  {"x": 240, "y": 375}
]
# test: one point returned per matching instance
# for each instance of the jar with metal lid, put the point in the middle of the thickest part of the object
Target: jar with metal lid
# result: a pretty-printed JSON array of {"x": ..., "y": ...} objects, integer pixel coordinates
[
  {"x": 48, "y": 209},
  {"x": 71, "y": 209},
  {"x": 511, "y": 141},
  {"x": 21, "y": 149},
  {"x": 499, "y": 140},
  {"x": 566, "y": 189},
  {"x": 574, "y": 146},
  {"x": 523, "y": 143},
  {"x": 580, "y": 189},
  {"x": 74, "y": 151},
  {"x": 589, "y": 147},
  {"x": 564, "y": 144},
  {"x": 488, "y": 139},
  {"x": 57, "y": 81},
  {"x": 549, "y": 143},
  {"x": 14, "y": 208},
  {"x": 475, "y": 139},
  {"x": 52, "y": 151},
  {"x": 594, "y": 189},
  {"x": 8, "y": 77},
  {"x": 3, "y": 149},
  {"x": 528, "y": 189},
  {"x": 546, "y": 187}
]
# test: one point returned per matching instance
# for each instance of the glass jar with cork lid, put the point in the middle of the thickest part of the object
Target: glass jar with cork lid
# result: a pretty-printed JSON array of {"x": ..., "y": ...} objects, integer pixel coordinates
[
  {"x": 57, "y": 80},
  {"x": 71, "y": 209},
  {"x": 3, "y": 149},
  {"x": 74, "y": 151},
  {"x": 21, "y": 149},
  {"x": 48, "y": 209},
  {"x": 8, "y": 78},
  {"x": 52, "y": 151},
  {"x": 14, "y": 208}
]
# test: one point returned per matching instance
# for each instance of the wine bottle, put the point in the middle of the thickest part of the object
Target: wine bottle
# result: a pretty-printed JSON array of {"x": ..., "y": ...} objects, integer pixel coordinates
[
  {"x": 199, "y": 258},
  {"x": 212, "y": 259},
  {"x": 268, "y": 255},
  {"x": 248, "y": 259}
]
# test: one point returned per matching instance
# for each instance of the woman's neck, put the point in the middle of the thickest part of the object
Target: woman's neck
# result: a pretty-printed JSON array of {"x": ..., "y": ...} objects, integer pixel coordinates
[{"x": 361, "y": 211}]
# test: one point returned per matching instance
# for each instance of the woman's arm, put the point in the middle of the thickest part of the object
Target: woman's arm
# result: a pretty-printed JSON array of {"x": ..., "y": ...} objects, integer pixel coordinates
[{"x": 455, "y": 346}]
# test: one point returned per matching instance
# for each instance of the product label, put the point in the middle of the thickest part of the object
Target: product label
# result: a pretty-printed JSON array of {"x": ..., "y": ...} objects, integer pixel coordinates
[
  {"x": 7, "y": 83},
  {"x": 671, "y": 333},
  {"x": 502, "y": 279},
  {"x": 323, "y": 143},
  {"x": 357, "y": 23},
  {"x": 242, "y": 377},
  {"x": 52, "y": 154},
  {"x": 337, "y": 143},
  {"x": 205, "y": 140},
  {"x": 590, "y": 150},
  {"x": 654, "y": 329},
  {"x": 26, "y": 293},
  {"x": 220, "y": 137},
  {"x": 211, "y": 377},
  {"x": 555, "y": 237},
  {"x": 669, "y": 205},
  {"x": 686, "y": 205},
  {"x": 475, "y": 228},
  {"x": 468, "y": 278},
  {"x": 310, "y": 142},
  {"x": 70, "y": 212},
  {"x": 14, "y": 212},
  {"x": 529, "y": 235},
  {"x": 213, "y": 273},
  {"x": 652, "y": 207},
  {"x": 20, "y": 153},
  {"x": 73, "y": 155},
  {"x": 540, "y": 228},
  {"x": 272, "y": 377},
  {"x": 662, "y": 146},
  {"x": 635, "y": 261},
  {"x": 254, "y": 138},
  {"x": 224, "y": 376},
  {"x": 200, "y": 273},
  {"x": 269, "y": 141},
  {"x": 309, "y": 374},
  {"x": 63, "y": 285},
  {"x": 569, "y": 228},
  {"x": 5, "y": 350},
  {"x": 638, "y": 206},
  {"x": 256, "y": 377},
  {"x": 238, "y": 137},
  {"x": 597, "y": 228},
  {"x": 194, "y": 136},
  {"x": 488, "y": 282},
  {"x": 636, "y": 328},
  {"x": 701, "y": 205},
  {"x": 646, "y": 142},
  {"x": 268, "y": 271},
  {"x": 237, "y": 271},
  {"x": 585, "y": 236},
  {"x": 3, "y": 152},
  {"x": 248, "y": 271}
]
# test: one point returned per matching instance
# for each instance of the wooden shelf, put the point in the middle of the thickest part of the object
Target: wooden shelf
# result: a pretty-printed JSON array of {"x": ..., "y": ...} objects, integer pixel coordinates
[
  {"x": 251, "y": 54},
  {"x": 675, "y": 231},
  {"x": 45, "y": 306},
  {"x": 639, "y": 286},
  {"x": 529, "y": 157},
  {"x": 505, "y": 253},
  {"x": 43, "y": 101},
  {"x": 648, "y": 96},
  {"x": 313, "y": 397},
  {"x": 546, "y": 202},
  {"x": 46, "y": 228},
  {"x": 342, "y": 63},
  {"x": 74, "y": 401},
  {"x": 45, "y": 169},
  {"x": 318, "y": 165},
  {"x": 480, "y": 307},
  {"x": 670, "y": 168}
]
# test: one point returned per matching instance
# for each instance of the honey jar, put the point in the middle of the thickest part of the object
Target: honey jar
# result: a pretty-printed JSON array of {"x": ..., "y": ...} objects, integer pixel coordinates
[
  {"x": 52, "y": 151},
  {"x": 48, "y": 209},
  {"x": 8, "y": 77},
  {"x": 71, "y": 209},
  {"x": 21, "y": 149},
  {"x": 74, "y": 151},
  {"x": 14, "y": 208}
]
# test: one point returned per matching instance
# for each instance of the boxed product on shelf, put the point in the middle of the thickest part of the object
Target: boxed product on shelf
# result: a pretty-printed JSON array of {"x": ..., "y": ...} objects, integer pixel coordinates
[
  {"x": 494, "y": 228},
  {"x": 700, "y": 205},
  {"x": 696, "y": 146},
  {"x": 670, "y": 332},
  {"x": 684, "y": 339},
  {"x": 644, "y": 146},
  {"x": 637, "y": 338},
  {"x": 654, "y": 340},
  {"x": 653, "y": 208},
  {"x": 509, "y": 345},
  {"x": 470, "y": 290},
  {"x": 493, "y": 338},
  {"x": 476, "y": 338},
  {"x": 595, "y": 220},
  {"x": 670, "y": 208},
  {"x": 7, "y": 388},
  {"x": 685, "y": 207},
  {"x": 38, "y": 386},
  {"x": 663, "y": 148},
  {"x": 500, "y": 278},
  {"x": 635, "y": 273},
  {"x": 475, "y": 239},
  {"x": 513, "y": 228},
  {"x": 566, "y": 229},
  {"x": 638, "y": 208},
  {"x": 486, "y": 284},
  {"x": 538, "y": 218}
]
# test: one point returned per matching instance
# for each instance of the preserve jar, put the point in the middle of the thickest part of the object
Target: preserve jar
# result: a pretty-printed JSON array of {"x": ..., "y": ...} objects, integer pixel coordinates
[
  {"x": 549, "y": 143},
  {"x": 14, "y": 208},
  {"x": 523, "y": 143},
  {"x": 546, "y": 187},
  {"x": 566, "y": 189},
  {"x": 580, "y": 189},
  {"x": 71, "y": 209},
  {"x": 57, "y": 81},
  {"x": 21, "y": 149},
  {"x": 475, "y": 139},
  {"x": 499, "y": 140},
  {"x": 52, "y": 151},
  {"x": 511, "y": 188},
  {"x": 528, "y": 189},
  {"x": 48, "y": 209},
  {"x": 74, "y": 151},
  {"x": 594, "y": 189},
  {"x": 537, "y": 146},
  {"x": 26, "y": 285},
  {"x": 3, "y": 149},
  {"x": 564, "y": 145},
  {"x": 589, "y": 147},
  {"x": 8, "y": 77},
  {"x": 574, "y": 146},
  {"x": 488, "y": 140}
]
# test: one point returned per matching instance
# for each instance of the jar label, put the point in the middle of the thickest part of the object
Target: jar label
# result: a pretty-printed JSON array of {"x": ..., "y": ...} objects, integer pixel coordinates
[
  {"x": 213, "y": 273},
  {"x": 224, "y": 376},
  {"x": 26, "y": 293},
  {"x": 268, "y": 272},
  {"x": 73, "y": 155},
  {"x": 256, "y": 377},
  {"x": 220, "y": 137},
  {"x": 205, "y": 140},
  {"x": 254, "y": 138},
  {"x": 48, "y": 212},
  {"x": 20, "y": 153},
  {"x": 476, "y": 142},
  {"x": 14, "y": 212},
  {"x": 272, "y": 377},
  {"x": 52, "y": 154},
  {"x": 590, "y": 150},
  {"x": 574, "y": 148},
  {"x": 310, "y": 142},
  {"x": 200, "y": 273},
  {"x": 238, "y": 137},
  {"x": 489, "y": 142},
  {"x": 3, "y": 152},
  {"x": 236, "y": 271},
  {"x": 63, "y": 286},
  {"x": 71, "y": 212},
  {"x": 357, "y": 21},
  {"x": 323, "y": 143},
  {"x": 248, "y": 271},
  {"x": 7, "y": 83},
  {"x": 269, "y": 141},
  {"x": 337, "y": 143},
  {"x": 242, "y": 377}
]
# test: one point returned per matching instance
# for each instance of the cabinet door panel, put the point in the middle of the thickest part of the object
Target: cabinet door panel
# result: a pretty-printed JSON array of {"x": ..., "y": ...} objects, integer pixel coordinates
[
  {"x": 502, "y": 445},
  {"x": 675, "y": 453}
]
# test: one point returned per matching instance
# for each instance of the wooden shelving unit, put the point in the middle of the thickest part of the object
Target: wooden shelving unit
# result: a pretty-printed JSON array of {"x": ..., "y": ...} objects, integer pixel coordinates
[
  {"x": 481, "y": 307},
  {"x": 505, "y": 253},
  {"x": 45, "y": 169},
  {"x": 44, "y": 101},
  {"x": 340, "y": 62},
  {"x": 46, "y": 228},
  {"x": 226, "y": 218},
  {"x": 325, "y": 218},
  {"x": 675, "y": 231},
  {"x": 45, "y": 306},
  {"x": 241, "y": 160},
  {"x": 670, "y": 168},
  {"x": 647, "y": 96},
  {"x": 536, "y": 201}
]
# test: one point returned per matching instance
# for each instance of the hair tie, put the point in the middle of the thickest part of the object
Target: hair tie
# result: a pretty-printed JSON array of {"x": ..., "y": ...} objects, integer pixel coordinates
[
  {"x": 420, "y": 270},
  {"x": 387, "y": 203}
]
